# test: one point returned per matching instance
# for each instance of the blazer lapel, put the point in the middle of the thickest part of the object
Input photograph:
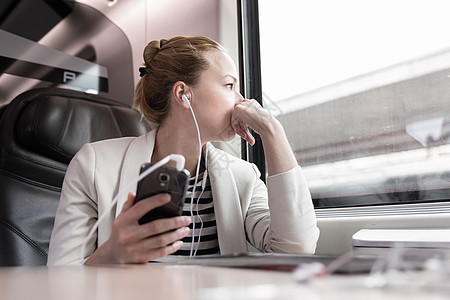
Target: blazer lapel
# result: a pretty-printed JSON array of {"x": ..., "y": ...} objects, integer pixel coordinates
[
  {"x": 139, "y": 151},
  {"x": 227, "y": 207}
]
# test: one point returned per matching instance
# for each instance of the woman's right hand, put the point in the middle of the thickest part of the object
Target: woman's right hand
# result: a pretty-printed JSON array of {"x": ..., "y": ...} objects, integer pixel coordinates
[{"x": 131, "y": 242}]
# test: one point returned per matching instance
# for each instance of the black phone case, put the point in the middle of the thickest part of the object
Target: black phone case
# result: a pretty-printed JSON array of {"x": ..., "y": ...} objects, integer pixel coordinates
[{"x": 163, "y": 180}]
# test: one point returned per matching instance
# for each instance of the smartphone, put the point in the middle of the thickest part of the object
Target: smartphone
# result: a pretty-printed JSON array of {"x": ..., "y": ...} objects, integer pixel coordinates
[{"x": 164, "y": 179}]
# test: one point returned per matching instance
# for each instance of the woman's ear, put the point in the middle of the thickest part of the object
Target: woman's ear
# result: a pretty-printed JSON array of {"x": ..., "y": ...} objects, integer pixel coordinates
[{"x": 181, "y": 94}]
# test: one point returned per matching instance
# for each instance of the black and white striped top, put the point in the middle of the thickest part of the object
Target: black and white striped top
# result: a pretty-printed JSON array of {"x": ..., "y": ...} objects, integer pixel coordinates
[{"x": 203, "y": 212}]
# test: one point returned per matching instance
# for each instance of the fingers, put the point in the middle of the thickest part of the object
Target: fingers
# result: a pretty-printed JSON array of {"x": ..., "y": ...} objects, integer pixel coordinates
[
  {"x": 164, "y": 251},
  {"x": 248, "y": 136},
  {"x": 151, "y": 248},
  {"x": 246, "y": 114},
  {"x": 156, "y": 253},
  {"x": 130, "y": 201},
  {"x": 242, "y": 130},
  {"x": 134, "y": 213},
  {"x": 158, "y": 246},
  {"x": 165, "y": 239},
  {"x": 162, "y": 225},
  {"x": 173, "y": 247},
  {"x": 140, "y": 208}
]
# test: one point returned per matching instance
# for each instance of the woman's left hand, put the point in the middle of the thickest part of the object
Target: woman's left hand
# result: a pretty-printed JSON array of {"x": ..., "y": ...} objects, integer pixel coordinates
[{"x": 249, "y": 113}]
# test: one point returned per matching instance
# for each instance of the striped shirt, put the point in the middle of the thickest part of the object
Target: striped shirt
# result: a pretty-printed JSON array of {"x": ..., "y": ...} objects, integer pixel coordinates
[{"x": 204, "y": 218}]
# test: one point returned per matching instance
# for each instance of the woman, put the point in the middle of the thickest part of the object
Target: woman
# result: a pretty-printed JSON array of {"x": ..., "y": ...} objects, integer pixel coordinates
[{"x": 236, "y": 206}]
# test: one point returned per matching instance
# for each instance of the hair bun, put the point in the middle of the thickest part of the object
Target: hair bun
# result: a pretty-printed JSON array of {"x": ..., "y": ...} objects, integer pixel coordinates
[
  {"x": 150, "y": 51},
  {"x": 162, "y": 43}
]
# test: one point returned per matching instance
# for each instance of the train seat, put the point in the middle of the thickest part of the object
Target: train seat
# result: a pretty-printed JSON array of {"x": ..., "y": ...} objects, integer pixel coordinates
[{"x": 40, "y": 131}]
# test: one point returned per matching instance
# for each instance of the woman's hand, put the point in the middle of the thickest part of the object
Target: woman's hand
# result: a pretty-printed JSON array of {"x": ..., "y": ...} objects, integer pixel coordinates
[
  {"x": 279, "y": 155},
  {"x": 249, "y": 113},
  {"x": 131, "y": 242}
]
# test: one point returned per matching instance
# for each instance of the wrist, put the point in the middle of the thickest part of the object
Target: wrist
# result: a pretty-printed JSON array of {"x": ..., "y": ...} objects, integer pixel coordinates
[
  {"x": 101, "y": 256},
  {"x": 272, "y": 128}
]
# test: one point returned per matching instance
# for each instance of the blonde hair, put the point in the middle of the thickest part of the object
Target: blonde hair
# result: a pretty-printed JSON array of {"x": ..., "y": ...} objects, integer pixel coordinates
[{"x": 166, "y": 62}]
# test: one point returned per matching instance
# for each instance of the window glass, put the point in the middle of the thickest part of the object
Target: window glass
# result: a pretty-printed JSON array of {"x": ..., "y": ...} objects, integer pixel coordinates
[{"x": 363, "y": 91}]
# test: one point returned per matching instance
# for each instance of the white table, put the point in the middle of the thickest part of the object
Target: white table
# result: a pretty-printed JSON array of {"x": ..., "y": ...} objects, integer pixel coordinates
[{"x": 166, "y": 281}]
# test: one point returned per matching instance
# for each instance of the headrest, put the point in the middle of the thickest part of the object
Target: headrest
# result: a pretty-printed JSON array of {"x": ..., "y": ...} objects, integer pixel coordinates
[{"x": 57, "y": 126}]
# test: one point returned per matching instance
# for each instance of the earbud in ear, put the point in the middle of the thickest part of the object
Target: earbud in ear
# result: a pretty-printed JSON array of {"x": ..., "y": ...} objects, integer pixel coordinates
[{"x": 185, "y": 99}]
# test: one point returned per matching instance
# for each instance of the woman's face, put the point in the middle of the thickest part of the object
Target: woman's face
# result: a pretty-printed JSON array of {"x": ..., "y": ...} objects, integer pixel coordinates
[{"x": 214, "y": 97}]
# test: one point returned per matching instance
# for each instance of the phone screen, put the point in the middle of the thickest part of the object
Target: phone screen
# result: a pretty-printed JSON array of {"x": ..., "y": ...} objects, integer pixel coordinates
[{"x": 163, "y": 180}]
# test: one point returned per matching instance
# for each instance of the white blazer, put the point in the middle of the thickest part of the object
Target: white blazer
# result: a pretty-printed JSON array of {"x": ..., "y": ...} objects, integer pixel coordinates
[{"x": 277, "y": 218}]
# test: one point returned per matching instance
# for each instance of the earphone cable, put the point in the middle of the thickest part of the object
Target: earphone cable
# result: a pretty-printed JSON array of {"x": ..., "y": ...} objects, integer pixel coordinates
[
  {"x": 205, "y": 178},
  {"x": 191, "y": 253}
]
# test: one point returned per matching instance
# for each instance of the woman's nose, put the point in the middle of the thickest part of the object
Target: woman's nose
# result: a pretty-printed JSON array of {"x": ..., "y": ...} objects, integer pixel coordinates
[{"x": 239, "y": 97}]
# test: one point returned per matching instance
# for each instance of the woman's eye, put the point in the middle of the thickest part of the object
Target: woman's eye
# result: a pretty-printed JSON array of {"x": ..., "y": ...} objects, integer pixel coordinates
[{"x": 230, "y": 86}]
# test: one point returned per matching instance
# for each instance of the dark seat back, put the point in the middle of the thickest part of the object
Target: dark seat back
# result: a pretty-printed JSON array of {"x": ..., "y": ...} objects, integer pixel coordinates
[{"x": 40, "y": 131}]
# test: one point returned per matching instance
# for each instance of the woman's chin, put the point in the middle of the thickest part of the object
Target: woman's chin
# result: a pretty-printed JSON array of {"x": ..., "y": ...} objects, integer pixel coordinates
[{"x": 226, "y": 135}]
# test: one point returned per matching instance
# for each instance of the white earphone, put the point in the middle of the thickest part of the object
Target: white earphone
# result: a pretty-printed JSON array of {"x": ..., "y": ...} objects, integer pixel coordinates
[{"x": 185, "y": 99}]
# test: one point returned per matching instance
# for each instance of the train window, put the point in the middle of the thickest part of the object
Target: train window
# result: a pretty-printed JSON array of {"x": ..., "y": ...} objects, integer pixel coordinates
[{"x": 363, "y": 91}]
